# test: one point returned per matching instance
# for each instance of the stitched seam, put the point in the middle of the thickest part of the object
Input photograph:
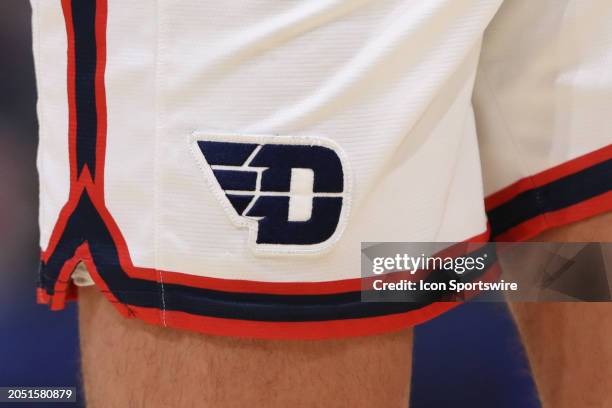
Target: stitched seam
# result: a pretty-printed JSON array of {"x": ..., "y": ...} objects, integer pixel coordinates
[
  {"x": 43, "y": 221},
  {"x": 539, "y": 202},
  {"x": 454, "y": 174},
  {"x": 156, "y": 168}
]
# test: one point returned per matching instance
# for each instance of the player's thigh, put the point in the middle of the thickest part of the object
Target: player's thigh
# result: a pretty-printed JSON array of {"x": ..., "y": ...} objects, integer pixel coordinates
[
  {"x": 127, "y": 363},
  {"x": 569, "y": 350},
  {"x": 568, "y": 344}
]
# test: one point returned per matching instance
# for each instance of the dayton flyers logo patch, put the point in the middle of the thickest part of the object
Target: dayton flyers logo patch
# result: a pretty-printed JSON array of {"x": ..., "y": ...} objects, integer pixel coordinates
[{"x": 292, "y": 193}]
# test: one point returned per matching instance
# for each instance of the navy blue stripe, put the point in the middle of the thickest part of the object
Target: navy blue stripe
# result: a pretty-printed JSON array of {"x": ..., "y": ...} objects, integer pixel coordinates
[
  {"x": 84, "y": 24},
  {"x": 553, "y": 196},
  {"x": 86, "y": 225}
]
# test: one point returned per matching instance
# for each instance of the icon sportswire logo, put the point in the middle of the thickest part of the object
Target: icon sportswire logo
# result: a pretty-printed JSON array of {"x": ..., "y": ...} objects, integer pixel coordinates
[{"x": 292, "y": 193}]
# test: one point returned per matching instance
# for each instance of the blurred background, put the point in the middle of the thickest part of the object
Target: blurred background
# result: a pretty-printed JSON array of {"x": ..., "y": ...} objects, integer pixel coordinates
[{"x": 470, "y": 357}]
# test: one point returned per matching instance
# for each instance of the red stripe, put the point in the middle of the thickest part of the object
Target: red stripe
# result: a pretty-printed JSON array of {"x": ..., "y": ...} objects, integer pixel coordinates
[
  {"x": 101, "y": 17},
  {"x": 258, "y": 329},
  {"x": 293, "y": 330},
  {"x": 548, "y": 176},
  {"x": 254, "y": 329}
]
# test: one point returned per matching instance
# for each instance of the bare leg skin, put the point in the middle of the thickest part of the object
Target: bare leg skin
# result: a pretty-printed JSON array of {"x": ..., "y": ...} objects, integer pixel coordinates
[
  {"x": 127, "y": 363},
  {"x": 570, "y": 344}
]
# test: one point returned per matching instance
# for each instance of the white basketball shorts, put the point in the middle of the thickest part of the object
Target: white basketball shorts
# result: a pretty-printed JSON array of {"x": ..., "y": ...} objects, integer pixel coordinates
[{"x": 216, "y": 164}]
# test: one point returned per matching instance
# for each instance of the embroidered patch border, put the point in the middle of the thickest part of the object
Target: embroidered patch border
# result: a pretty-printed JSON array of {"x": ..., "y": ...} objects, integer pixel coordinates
[{"x": 252, "y": 223}]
